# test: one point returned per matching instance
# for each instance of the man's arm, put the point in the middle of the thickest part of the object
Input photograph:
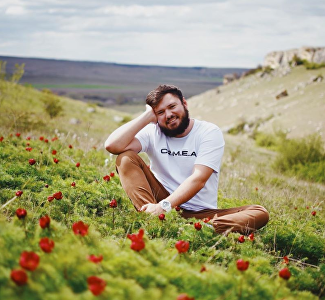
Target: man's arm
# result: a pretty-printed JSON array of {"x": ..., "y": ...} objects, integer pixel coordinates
[
  {"x": 187, "y": 190},
  {"x": 123, "y": 138}
]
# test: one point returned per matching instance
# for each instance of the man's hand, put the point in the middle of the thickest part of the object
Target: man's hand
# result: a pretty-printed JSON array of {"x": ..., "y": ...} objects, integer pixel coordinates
[
  {"x": 152, "y": 114},
  {"x": 154, "y": 209}
]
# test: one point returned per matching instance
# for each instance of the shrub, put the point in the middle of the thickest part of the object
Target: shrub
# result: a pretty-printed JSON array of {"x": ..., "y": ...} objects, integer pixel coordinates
[{"x": 52, "y": 104}]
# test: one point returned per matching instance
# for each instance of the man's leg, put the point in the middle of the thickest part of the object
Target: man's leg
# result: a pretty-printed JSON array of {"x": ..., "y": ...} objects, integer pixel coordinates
[
  {"x": 243, "y": 219},
  {"x": 137, "y": 180}
]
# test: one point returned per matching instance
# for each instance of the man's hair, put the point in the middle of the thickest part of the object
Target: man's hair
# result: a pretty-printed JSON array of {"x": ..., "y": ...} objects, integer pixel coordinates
[{"x": 155, "y": 96}]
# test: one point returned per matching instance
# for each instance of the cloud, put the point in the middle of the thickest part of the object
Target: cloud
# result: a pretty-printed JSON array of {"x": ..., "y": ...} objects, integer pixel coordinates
[{"x": 15, "y": 10}]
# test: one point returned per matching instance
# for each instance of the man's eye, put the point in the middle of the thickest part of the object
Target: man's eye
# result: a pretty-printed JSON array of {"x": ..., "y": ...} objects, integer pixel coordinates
[{"x": 159, "y": 113}]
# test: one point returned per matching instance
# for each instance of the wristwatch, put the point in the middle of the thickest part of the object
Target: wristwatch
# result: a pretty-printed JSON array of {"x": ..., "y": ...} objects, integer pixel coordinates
[{"x": 165, "y": 205}]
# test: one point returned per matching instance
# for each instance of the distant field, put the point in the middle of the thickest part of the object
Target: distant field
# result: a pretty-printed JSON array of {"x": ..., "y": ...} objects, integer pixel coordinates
[{"x": 76, "y": 86}]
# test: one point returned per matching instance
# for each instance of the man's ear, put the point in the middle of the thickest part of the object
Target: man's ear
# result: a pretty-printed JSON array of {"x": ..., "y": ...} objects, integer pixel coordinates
[{"x": 184, "y": 102}]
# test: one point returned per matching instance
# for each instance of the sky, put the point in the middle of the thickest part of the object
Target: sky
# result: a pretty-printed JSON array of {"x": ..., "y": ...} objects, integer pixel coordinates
[{"x": 202, "y": 33}]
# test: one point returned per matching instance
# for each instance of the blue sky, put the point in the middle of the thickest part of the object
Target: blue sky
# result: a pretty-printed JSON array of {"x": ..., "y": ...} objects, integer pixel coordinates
[{"x": 235, "y": 33}]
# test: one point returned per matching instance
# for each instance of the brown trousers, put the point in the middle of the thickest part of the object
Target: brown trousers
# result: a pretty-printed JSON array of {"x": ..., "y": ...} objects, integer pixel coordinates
[{"x": 142, "y": 187}]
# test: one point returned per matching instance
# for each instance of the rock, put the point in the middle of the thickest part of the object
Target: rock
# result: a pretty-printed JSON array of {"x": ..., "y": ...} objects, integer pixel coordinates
[
  {"x": 91, "y": 109},
  {"x": 74, "y": 121},
  {"x": 229, "y": 78},
  {"x": 282, "y": 94}
]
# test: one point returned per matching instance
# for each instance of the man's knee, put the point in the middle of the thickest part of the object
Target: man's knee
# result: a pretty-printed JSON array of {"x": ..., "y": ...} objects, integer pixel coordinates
[{"x": 125, "y": 158}]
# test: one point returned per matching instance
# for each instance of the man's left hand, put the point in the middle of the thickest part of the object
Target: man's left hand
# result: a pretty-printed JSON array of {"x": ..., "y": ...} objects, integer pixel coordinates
[{"x": 154, "y": 209}]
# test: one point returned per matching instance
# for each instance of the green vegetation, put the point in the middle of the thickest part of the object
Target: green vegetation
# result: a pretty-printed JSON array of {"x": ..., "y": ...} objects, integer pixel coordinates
[
  {"x": 206, "y": 271},
  {"x": 309, "y": 65},
  {"x": 76, "y": 86}
]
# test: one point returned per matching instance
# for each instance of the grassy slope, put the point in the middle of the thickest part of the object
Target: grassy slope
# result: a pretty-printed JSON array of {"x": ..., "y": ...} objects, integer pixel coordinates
[
  {"x": 154, "y": 273},
  {"x": 253, "y": 97}
]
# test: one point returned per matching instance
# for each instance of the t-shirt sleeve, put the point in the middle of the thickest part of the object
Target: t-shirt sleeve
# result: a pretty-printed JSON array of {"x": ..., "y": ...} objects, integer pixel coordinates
[
  {"x": 144, "y": 137},
  {"x": 211, "y": 149}
]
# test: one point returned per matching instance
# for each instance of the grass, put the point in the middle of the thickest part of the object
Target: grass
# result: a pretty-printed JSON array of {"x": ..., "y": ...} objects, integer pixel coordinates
[
  {"x": 76, "y": 86},
  {"x": 157, "y": 271}
]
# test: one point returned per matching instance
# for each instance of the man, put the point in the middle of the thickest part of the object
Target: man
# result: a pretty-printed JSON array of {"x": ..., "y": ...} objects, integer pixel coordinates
[{"x": 185, "y": 157}]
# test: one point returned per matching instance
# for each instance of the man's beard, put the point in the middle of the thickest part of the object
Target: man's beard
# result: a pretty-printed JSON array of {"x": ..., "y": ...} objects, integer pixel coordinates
[{"x": 185, "y": 121}]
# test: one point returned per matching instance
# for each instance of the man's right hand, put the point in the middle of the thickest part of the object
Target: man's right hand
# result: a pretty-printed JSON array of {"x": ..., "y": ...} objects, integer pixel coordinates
[{"x": 153, "y": 116}]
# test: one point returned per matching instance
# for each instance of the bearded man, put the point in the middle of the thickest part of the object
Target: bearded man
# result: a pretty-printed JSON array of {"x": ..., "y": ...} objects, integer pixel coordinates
[{"x": 185, "y": 158}]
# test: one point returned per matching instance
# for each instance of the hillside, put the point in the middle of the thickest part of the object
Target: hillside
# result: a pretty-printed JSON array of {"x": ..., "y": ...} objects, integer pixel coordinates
[
  {"x": 252, "y": 101},
  {"x": 110, "y": 83}
]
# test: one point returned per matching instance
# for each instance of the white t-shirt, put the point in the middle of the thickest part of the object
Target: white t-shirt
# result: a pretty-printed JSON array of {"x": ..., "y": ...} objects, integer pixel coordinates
[{"x": 172, "y": 159}]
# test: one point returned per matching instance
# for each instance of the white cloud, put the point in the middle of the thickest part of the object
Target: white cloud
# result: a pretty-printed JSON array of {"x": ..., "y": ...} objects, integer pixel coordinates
[{"x": 15, "y": 10}]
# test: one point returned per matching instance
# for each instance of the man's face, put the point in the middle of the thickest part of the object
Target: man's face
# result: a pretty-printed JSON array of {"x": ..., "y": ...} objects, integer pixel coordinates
[{"x": 172, "y": 115}]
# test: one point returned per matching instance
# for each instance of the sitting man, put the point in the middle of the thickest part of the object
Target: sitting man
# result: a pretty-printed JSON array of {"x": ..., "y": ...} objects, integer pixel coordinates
[{"x": 185, "y": 157}]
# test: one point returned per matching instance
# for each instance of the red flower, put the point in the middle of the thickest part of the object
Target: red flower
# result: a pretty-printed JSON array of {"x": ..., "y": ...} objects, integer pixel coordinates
[
  {"x": 46, "y": 185},
  {"x": 78, "y": 164},
  {"x": 28, "y": 138},
  {"x": 313, "y": 213},
  {"x": 112, "y": 174},
  {"x": 46, "y": 244},
  {"x": 32, "y": 161},
  {"x": 29, "y": 149},
  {"x": 203, "y": 269},
  {"x": 46, "y": 140},
  {"x": 242, "y": 265},
  {"x": 206, "y": 220},
  {"x": 286, "y": 260},
  {"x": 19, "y": 277},
  {"x": 17, "y": 134},
  {"x": 73, "y": 184},
  {"x": 177, "y": 208},
  {"x": 54, "y": 139},
  {"x": 70, "y": 146},
  {"x": 182, "y": 246},
  {"x": 54, "y": 152},
  {"x": 55, "y": 160},
  {"x": 19, "y": 193},
  {"x": 29, "y": 260},
  {"x": 41, "y": 138},
  {"x": 80, "y": 228},
  {"x": 45, "y": 221},
  {"x": 50, "y": 198},
  {"x": 58, "y": 195},
  {"x": 137, "y": 240},
  {"x": 161, "y": 217},
  {"x": 95, "y": 259},
  {"x": 307, "y": 207},
  {"x": 106, "y": 178},
  {"x": 251, "y": 236},
  {"x": 21, "y": 213},
  {"x": 285, "y": 273},
  {"x": 198, "y": 226},
  {"x": 1, "y": 138},
  {"x": 241, "y": 239},
  {"x": 113, "y": 203},
  {"x": 96, "y": 285},
  {"x": 184, "y": 297},
  {"x": 256, "y": 189},
  {"x": 27, "y": 144}
]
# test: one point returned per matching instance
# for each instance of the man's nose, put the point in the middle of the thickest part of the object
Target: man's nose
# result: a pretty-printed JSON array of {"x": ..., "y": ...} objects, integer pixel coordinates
[{"x": 168, "y": 114}]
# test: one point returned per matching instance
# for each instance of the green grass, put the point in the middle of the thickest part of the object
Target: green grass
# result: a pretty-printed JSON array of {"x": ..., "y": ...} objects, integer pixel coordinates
[{"x": 157, "y": 271}]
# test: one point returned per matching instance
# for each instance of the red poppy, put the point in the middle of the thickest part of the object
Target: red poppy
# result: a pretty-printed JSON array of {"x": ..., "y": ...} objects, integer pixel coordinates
[
  {"x": 203, "y": 269},
  {"x": 95, "y": 259},
  {"x": 28, "y": 138},
  {"x": 251, "y": 236},
  {"x": 46, "y": 140},
  {"x": 46, "y": 244},
  {"x": 29, "y": 260},
  {"x": 21, "y": 213},
  {"x": 58, "y": 195},
  {"x": 184, "y": 297},
  {"x": 44, "y": 221},
  {"x": 161, "y": 217},
  {"x": 113, "y": 203},
  {"x": 32, "y": 161},
  {"x": 241, "y": 239},
  {"x": 78, "y": 164},
  {"x": 50, "y": 198},
  {"x": 206, "y": 220},
  {"x": 182, "y": 246},
  {"x": 41, "y": 138},
  {"x": 198, "y": 226},
  {"x": 313, "y": 213},
  {"x": 112, "y": 174},
  {"x": 70, "y": 146},
  {"x": 177, "y": 208},
  {"x": 17, "y": 134},
  {"x": 285, "y": 273},
  {"x": 96, "y": 285},
  {"x": 54, "y": 152},
  {"x": 19, "y": 193},
  {"x": 286, "y": 259},
  {"x": 73, "y": 184},
  {"x": 137, "y": 240},
  {"x": 106, "y": 178},
  {"x": 56, "y": 160},
  {"x": 54, "y": 139},
  {"x": 242, "y": 265},
  {"x": 29, "y": 149},
  {"x": 19, "y": 277},
  {"x": 80, "y": 228},
  {"x": 1, "y": 138}
]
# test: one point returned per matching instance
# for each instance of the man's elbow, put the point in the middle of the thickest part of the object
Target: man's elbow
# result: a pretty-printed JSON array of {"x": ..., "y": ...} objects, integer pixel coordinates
[{"x": 111, "y": 148}]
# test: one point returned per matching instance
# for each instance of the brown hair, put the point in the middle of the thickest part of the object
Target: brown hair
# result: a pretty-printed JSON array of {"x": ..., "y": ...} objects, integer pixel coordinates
[{"x": 155, "y": 96}]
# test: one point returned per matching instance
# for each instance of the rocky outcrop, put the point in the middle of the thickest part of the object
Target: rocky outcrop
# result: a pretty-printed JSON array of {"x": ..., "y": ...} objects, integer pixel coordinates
[{"x": 277, "y": 59}]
